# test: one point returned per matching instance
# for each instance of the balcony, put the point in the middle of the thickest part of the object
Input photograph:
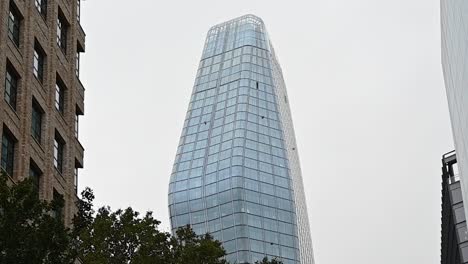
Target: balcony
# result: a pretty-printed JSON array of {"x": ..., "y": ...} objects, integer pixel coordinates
[
  {"x": 81, "y": 36},
  {"x": 79, "y": 153},
  {"x": 80, "y": 91}
]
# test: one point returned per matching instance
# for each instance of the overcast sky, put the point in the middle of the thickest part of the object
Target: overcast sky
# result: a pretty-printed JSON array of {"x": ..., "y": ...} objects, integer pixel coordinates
[{"x": 368, "y": 102}]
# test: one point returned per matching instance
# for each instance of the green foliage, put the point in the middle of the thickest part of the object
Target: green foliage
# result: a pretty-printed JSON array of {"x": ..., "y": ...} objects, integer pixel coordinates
[
  {"x": 187, "y": 247},
  {"x": 266, "y": 261},
  {"x": 124, "y": 236},
  {"x": 29, "y": 232}
]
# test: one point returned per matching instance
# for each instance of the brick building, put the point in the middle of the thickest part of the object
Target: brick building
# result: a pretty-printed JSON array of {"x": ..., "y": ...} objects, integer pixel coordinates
[{"x": 41, "y": 96}]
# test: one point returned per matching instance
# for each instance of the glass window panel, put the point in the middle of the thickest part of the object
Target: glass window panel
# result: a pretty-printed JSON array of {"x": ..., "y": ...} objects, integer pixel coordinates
[
  {"x": 183, "y": 220},
  {"x": 229, "y": 233},
  {"x": 214, "y": 225}
]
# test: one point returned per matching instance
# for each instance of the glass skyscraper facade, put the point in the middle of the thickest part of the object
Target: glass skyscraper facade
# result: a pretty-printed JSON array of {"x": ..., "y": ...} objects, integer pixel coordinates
[
  {"x": 236, "y": 174},
  {"x": 454, "y": 21}
]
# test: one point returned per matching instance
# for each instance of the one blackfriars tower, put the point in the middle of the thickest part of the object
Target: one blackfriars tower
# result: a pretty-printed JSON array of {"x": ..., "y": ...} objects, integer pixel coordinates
[{"x": 237, "y": 174}]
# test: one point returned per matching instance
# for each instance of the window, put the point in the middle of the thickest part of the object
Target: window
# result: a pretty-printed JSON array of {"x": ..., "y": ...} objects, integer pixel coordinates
[
  {"x": 77, "y": 125},
  {"x": 59, "y": 147},
  {"x": 38, "y": 65},
  {"x": 59, "y": 97},
  {"x": 35, "y": 174},
  {"x": 41, "y": 6},
  {"x": 77, "y": 66},
  {"x": 11, "y": 87},
  {"x": 62, "y": 31},
  {"x": 58, "y": 204},
  {"x": 36, "y": 121},
  {"x": 14, "y": 25},
  {"x": 8, "y": 152},
  {"x": 75, "y": 180},
  {"x": 78, "y": 10}
]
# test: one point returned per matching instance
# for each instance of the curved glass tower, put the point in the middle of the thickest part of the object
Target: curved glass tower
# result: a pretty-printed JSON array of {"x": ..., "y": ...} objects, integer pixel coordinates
[{"x": 237, "y": 174}]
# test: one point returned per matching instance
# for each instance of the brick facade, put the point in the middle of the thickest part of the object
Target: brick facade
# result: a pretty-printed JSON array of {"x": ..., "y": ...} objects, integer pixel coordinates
[{"x": 59, "y": 66}]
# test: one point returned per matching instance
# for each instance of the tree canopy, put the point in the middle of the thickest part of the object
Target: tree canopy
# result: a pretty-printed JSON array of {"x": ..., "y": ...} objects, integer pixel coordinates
[{"x": 31, "y": 231}]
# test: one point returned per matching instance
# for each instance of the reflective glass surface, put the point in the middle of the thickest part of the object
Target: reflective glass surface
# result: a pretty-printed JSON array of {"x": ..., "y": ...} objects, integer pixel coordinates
[{"x": 236, "y": 174}]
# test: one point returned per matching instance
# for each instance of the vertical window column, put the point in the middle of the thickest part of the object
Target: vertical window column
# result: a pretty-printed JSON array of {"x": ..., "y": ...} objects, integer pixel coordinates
[
  {"x": 60, "y": 97},
  {"x": 11, "y": 86},
  {"x": 59, "y": 148},
  {"x": 75, "y": 180},
  {"x": 62, "y": 33},
  {"x": 78, "y": 10},
  {"x": 58, "y": 203},
  {"x": 79, "y": 49},
  {"x": 77, "y": 64},
  {"x": 78, "y": 112},
  {"x": 38, "y": 63},
  {"x": 41, "y": 6},
  {"x": 36, "y": 121},
  {"x": 8, "y": 152},
  {"x": 77, "y": 125},
  {"x": 14, "y": 22},
  {"x": 35, "y": 174}
]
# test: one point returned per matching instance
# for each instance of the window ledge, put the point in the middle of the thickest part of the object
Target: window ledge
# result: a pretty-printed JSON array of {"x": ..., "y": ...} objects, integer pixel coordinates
[
  {"x": 18, "y": 48},
  {"x": 10, "y": 177},
  {"x": 61, "y": 116},
  {"x": 41, "y": 83},
  {"x": 12, "y": 109},
  {"x": 37, "y": 143}
]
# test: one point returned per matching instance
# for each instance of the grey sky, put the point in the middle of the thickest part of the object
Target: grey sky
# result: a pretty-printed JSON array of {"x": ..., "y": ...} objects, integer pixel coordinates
[{"x": 368, "y": 102}]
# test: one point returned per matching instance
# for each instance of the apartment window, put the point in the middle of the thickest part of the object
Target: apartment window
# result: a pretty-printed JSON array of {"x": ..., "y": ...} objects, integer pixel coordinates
[
  {"x": 14, "y": 25},
  {"x": 38, "y": 66},
  {"x": 35, "y": 174},
  {"x": 59, "y": 97},
  {"x": 77, "y": 124},
  {"x": 62, "y": 31},
  {"x": 78, "y": 10},
  {"x": 8, "y": 152},
  {"x": 77, "y": 66},
  {"x": 11, "y": 87},
  {"x": 58, "y": 203},
  {"x": 41, "y": 6},
  {"x": 75, "y": 180},
  {"x": 36, "y": 121},
  {"x": 59, "y": 147}
]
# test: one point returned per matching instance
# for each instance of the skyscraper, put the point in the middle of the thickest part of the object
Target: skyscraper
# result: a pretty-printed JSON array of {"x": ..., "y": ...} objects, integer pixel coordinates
[
  {"x": 454, "y": 235},
  {"x": 236, "y": 174},
  {"x": 454, "y": 18},
  {"x": 42, "y": 96}
]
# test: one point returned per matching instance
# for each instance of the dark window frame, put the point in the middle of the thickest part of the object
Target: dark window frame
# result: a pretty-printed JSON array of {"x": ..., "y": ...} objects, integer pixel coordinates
[
  {"x": 35, "y": 175},
  {"x": 8, "y": 152},
  {"x": 77, "y": 125},
  {"x": 62, "y": 32},
  {"x": 75, "y": 179},
  {"x": 14, "y": 24},
  {"x": 41, "y": 7},
  {"x": 38, "y": 62},
  {"x": 60, "y": 96},
  {"x": 58, "y": 203},
  {"x": 78, "y": 10},
  {"x": 36, "y": 121},
  {"x": 77, "y": 64},
  {"x": 11, "y": 86},
  {"x": 59, "y": 149}
]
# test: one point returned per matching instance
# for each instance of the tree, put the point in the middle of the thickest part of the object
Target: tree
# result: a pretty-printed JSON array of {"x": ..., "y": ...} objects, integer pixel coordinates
[
  {"x": 125, "y": 237},
  {"x": 187, "y": 247},
  {"x": 266, "y": 261},
  {"x": 30, "y": 232}
]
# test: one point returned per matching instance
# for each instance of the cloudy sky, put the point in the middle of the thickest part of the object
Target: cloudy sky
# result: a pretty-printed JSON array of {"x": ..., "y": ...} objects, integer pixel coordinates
[{"x": 366, "y": 89}]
